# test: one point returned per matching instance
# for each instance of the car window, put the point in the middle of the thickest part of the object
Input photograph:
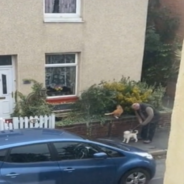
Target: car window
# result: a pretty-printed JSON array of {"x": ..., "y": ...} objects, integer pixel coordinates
[
  {"x": 30, "y": 153},
  {"x": 110, "y": 152},
  {"x": 3, "y": 154},
  {"x": 74, "y": 150}
]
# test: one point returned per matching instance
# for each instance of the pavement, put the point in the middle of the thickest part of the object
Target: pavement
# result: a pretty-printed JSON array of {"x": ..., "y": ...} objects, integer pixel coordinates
[
  {"x": 158, "y": 148},
  {"x": 159, "y": 144}
]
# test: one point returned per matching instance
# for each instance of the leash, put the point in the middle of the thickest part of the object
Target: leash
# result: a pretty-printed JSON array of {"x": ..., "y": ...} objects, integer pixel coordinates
[{"x": 136, "y": 127}]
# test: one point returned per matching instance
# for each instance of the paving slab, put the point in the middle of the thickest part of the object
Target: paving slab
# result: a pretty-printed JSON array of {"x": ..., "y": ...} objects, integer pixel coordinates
[{"x": 159, "y": 144}]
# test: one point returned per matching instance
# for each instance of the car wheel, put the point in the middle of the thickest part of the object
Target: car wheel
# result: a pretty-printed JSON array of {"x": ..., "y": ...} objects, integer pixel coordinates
[{"x": 135, "y": 176}]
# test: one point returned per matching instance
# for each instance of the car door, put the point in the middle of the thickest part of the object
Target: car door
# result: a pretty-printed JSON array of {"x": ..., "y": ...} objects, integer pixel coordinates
[
  {"x": 79, "y": 166},
  {"x": 30, "y": 164}
]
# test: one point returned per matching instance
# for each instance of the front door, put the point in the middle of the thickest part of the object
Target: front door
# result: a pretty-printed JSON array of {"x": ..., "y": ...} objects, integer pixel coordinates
[{"x": 6, "y": 91}]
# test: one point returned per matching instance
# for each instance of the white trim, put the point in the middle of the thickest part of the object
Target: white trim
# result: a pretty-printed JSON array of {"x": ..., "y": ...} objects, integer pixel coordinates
[
  {"x": 61, "y": 65},
  {"x": 72, "y": 20},
  {"x": 63, "y": 17},
  {"x": 76, "y": 73},
  {"x": 65, "y": 65},
  {"x": 14, "y": 78},
  {"x": 61, "y": 97},
  {"x": 6, "y": 66}
]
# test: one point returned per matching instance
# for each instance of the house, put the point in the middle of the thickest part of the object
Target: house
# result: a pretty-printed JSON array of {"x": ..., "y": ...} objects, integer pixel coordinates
[
  {"x": 68, "y": 45},
  {"x": 174, "y": 167}
]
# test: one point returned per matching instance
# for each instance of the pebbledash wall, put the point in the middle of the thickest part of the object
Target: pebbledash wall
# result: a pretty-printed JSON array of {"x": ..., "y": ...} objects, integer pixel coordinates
[
  {"x": 113, "y": 127},
  {"x": 109, "y": 40},
  {"x": 175, "y": 159}
]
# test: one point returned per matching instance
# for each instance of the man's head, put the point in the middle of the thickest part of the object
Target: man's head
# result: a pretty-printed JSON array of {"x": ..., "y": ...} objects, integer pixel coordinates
[{"x": 135, "y": 106}]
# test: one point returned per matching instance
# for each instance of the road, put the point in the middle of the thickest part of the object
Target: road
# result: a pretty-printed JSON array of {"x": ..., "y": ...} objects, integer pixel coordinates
[{"x": 158, "y": 179}]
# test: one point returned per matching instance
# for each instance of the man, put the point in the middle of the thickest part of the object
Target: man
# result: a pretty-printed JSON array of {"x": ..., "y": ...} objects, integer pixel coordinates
[{"x": 148, "y": 117}]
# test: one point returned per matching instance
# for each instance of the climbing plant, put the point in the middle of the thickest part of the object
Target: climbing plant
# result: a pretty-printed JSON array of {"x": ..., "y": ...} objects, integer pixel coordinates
[{"x": 161, "y": 58}]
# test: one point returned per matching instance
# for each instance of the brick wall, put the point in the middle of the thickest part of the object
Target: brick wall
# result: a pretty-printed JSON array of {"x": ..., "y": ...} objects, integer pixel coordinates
[{"x": 113, "y": 128}]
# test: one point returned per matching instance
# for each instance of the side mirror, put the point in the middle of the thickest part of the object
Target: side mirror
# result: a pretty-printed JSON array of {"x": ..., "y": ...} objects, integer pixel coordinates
[{"x": 100, "y": 155}]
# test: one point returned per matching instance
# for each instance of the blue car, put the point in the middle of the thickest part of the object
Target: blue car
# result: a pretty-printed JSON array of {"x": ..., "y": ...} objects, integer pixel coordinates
[{"x": 47, "y": 156}]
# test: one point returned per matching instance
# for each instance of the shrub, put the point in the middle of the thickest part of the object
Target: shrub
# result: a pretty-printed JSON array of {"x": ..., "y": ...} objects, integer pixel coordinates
[
  {"x": 129, "y": 92},
  {"x": 33, "y": 104},
  {"x": 103, "y": 97},
  {"x": 95, "y": 100}
]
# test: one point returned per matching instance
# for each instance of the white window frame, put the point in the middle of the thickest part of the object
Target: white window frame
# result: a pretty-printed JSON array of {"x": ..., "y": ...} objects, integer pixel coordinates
[
  {"x": 65, "y": 65},
  {"x": 63, "y": 17}
]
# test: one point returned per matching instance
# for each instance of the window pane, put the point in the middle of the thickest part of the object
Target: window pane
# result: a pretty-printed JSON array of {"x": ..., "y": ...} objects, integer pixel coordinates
[
  {"x": 60, "y": 81},
  {"x": 4, "y": 84},
  {"x": 30, "y": 153},
  {"x": 66, "y": 150},
  {"x": 5, "y": 60},
  {"x": 2, "y": 154},
  {"x": 74, "y": 150},
  {"x": 60, "y": 6},
  {"x": 60, "y": 59}
]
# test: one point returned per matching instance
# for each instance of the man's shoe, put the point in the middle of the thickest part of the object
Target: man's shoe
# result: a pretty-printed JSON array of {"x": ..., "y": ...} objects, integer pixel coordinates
[{"x": 146, "y": 141}]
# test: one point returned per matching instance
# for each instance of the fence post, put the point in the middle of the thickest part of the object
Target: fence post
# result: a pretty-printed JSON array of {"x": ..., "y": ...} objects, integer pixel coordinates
[
  {"x": 26, "y": 122},
  {"x": 2, "y": 122},
  {"x": 15, "y": 122},
  {"x": 41, "y": 121},
  {"x": 53, "y": 121}
]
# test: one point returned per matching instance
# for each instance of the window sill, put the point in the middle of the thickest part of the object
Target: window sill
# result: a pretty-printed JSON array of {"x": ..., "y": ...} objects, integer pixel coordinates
[
  {"x": 62, "y": 20},
  {"x": 59, "y": 99}
]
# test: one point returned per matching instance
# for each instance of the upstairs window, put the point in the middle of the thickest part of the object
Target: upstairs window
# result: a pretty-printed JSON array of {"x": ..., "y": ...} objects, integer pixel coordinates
[{"x": 62, "y": 11}]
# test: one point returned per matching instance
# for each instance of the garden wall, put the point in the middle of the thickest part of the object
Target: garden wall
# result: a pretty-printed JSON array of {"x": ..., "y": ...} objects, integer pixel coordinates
[{"x": 112, "y": 128}]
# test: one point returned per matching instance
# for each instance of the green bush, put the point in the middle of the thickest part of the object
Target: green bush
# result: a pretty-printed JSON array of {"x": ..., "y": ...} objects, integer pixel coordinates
[
  {"x": 34, "y": 104},
  {"x": 104, "y": 97},
  {"x": 95, "y": 100}
]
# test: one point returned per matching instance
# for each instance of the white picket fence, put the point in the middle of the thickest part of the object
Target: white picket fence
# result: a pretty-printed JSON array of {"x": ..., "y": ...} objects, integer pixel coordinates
[{"x": 29, "y": 122}]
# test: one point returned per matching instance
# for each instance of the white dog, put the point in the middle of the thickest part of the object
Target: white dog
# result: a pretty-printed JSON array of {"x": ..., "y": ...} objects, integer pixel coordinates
[{"x": 129, "y": 134}]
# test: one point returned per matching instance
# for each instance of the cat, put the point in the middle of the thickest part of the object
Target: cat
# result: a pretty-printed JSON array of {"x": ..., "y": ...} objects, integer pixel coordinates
[{"x": 116, "y": 113}]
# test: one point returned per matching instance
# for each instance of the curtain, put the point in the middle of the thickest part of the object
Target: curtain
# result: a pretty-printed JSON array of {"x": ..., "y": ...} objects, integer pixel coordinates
[
  {"x": 60, "y": 6},
  {"x": 49, "y": 6},
  {"x": 67, "y": 6}
]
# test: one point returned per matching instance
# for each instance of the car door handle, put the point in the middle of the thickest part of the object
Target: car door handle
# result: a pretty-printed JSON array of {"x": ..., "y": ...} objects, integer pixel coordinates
[
  {"x": 12, "y": 174},
  {"x": 69, "y": 169}
]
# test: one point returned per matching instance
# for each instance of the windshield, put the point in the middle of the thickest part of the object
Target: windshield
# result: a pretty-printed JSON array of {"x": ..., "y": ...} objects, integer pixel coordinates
[
  {"x": 114, "y": 144},
  {"x": 108, "y": 142}
]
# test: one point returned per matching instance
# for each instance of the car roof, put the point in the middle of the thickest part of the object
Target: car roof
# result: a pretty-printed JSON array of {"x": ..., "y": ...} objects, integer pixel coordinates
[{"x": 12, "y": 138}]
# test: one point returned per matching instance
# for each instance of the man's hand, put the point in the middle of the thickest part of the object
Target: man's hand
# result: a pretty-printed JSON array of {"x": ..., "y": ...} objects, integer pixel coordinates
[{"x": 140, "y": 120}]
